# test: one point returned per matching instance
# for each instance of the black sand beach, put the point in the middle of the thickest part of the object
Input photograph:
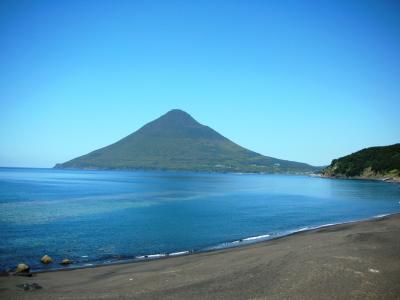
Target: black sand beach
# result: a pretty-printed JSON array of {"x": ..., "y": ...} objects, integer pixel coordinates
[{"x": 350, "y": 261}]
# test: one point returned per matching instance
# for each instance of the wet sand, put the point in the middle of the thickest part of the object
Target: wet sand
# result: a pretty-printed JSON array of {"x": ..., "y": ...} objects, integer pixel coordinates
[{"x": 350, "y": 261}]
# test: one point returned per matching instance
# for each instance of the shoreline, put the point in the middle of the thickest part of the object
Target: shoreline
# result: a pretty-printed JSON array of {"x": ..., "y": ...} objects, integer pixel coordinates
[
  {"x": 243, "y": 242},
  {"x": 173, "y": 171},
  {"x": 379, "y": 179},
  {"x": 360, "y": 256}
]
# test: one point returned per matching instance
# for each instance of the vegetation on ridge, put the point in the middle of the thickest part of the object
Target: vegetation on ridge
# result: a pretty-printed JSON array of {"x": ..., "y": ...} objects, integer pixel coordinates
[{"x": 374, "y": 162}]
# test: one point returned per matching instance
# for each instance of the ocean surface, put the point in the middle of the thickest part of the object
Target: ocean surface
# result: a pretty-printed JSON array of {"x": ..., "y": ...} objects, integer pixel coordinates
[{"x": 101, "y": 217}]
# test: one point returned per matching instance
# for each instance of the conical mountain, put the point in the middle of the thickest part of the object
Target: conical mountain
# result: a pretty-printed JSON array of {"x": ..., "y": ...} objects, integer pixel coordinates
[{"x": 176, "y": 141}]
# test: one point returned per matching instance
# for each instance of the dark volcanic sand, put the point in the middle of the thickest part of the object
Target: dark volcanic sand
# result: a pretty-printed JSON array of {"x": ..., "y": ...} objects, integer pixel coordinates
[{"x": 350, "y": 261}]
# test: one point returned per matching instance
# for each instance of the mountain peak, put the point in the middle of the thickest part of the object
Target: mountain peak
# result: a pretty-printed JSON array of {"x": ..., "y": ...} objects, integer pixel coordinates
[
  {"x": 177, "y": 116},
  {"x": 176, "y": 141},
  {"x": 177, "y": 111},
  {"x": 173, "y": 121},
  {"x": 177, "y": 123}
]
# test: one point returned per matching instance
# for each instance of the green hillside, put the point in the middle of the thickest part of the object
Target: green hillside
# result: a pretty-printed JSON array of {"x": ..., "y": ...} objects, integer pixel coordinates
[
  {"x": 176, "y": 141},
  {"x": 374, "y": 162}
]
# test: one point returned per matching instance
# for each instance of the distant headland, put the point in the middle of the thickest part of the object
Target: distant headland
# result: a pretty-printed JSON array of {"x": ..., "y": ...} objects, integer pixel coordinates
[{"x": 382, "y": 163}]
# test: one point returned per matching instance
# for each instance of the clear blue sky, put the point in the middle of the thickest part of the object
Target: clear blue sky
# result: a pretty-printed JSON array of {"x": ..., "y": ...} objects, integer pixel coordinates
[{"x": 300, "y": 80}]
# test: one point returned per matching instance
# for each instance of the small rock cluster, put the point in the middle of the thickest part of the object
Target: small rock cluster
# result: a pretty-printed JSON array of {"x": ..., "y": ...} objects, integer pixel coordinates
[
  {"x": 24, "y": 270},
  {"x": 48, "y": 260}
]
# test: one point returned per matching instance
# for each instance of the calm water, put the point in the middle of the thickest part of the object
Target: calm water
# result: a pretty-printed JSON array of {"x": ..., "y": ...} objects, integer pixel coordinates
[{"x": 99, "y": 217}]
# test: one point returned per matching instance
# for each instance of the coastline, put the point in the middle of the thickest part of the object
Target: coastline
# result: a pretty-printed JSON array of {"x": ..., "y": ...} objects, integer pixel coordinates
[
  {"x": 329, "y": 251},
  {"x": 243, "y": 242},
  {"x": 380, "y": 179}
]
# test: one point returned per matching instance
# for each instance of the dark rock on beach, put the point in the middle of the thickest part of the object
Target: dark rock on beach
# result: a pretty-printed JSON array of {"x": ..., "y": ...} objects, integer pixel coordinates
[{"x": 29, "y": 286}]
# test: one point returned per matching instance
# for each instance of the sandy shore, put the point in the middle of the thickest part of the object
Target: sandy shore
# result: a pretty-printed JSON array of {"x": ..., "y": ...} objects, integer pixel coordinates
[{"x": 349, "y": 261}]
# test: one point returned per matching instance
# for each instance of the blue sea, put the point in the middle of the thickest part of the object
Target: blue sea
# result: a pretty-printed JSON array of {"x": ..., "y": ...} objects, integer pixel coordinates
[{"x": 102, "y": 217}]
